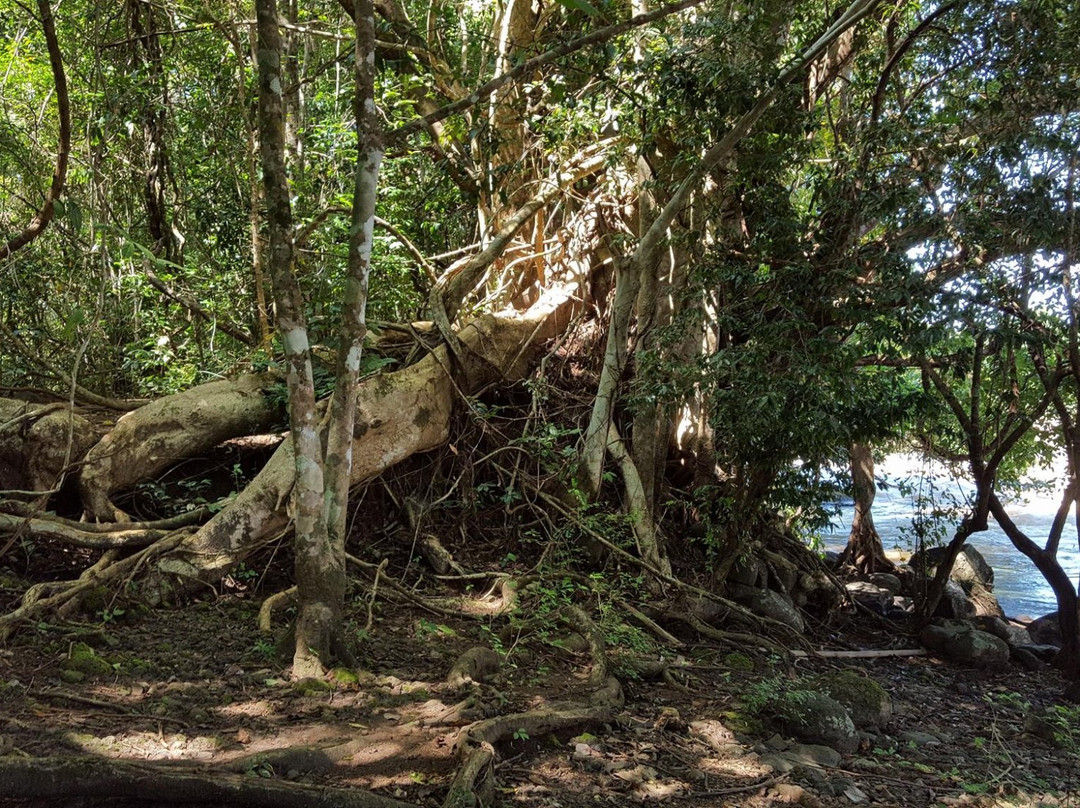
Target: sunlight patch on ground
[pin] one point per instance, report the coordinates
(147, 746)
(746, 766)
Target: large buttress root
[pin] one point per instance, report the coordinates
(39, 442)
(149, 440)
(398, 415)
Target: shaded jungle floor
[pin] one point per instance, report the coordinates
(199, 685)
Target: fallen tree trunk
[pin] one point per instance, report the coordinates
(154, 437)
(398, 415)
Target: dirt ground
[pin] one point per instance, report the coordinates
(198, 687)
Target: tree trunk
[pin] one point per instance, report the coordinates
(864, 550)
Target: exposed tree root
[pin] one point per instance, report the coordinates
(733, 638)
(106, 570)
(149, 440)
(52, 530)
(658, 631)
(474, 784)
(279, 600)
(426, 394)
(111, 780)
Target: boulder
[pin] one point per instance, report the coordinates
(901, 606)
(779, 607)
(886, 580)
(749, 571)
(872, 596)
(965, 645)
(1013, 634)
(814, 718)
(1045, 630)
(954, 604)
(865, 700)
(970, 566)
(983, 601)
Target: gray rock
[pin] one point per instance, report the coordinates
(902, 604)
(812, 754)
(777, 762)
(748, 571)
(970, 566)
(983, 600)
(1013, 634)
(865, 700)
(870, 595)
(1025, 659)
(961, 643)
(955, 604)
(886, 580)
(779, 607)
(815, 718)
(1044, 652)
(1045, 630)
(919, 738)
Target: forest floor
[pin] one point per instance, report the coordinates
(199, 687)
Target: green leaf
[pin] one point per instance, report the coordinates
(581, 5)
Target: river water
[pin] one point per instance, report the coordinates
(904, 503)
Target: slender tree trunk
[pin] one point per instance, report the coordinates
(318, 615)
(864, 550)
(147, 58)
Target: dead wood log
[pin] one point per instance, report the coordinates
(152, 438)
(111, 780)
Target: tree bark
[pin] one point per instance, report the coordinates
(864, 550)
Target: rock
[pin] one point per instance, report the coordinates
(901, 606)
(777, 762)
(865, 700)
(961, 643)
(1045, 630)
(478, 664)
(1044, 652)
(712, 732)
(812, 754)
(787, 792)
(1025, 659)
(917, 738)
(983, 600)
(748, 570)
(970, 566)
(779, 607)
(955, 604)
(870, 595)
(856, 795)
(1013, 634)
(886, 580)
(817, 719)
